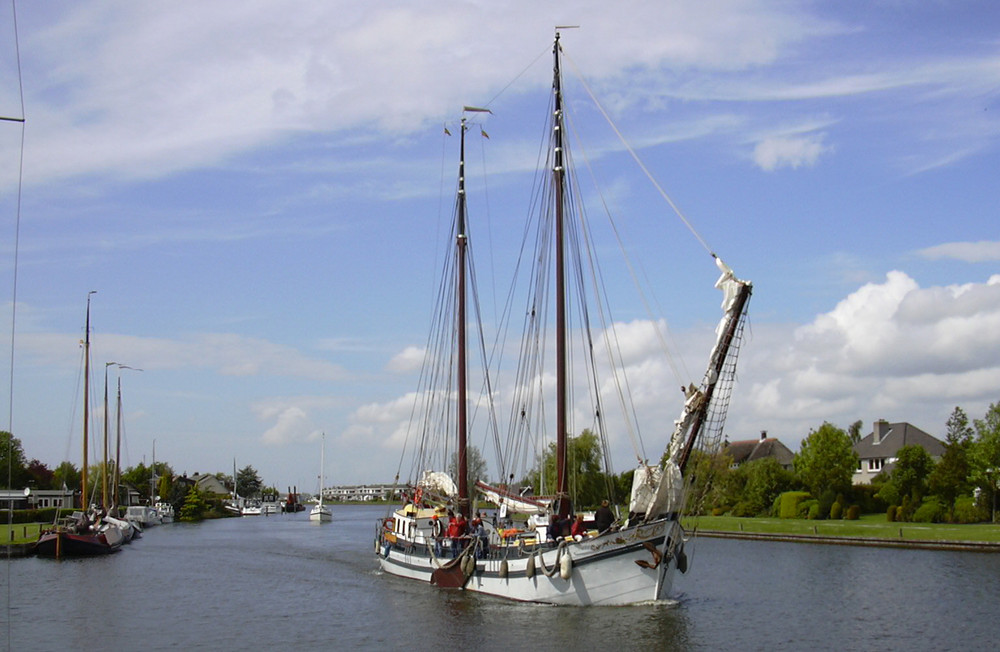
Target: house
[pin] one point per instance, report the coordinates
(209, 484)
(877, 451)
(749, 450)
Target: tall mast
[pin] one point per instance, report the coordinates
(118, 446)
(559, 182)
(104, 466)
(86, 400)
(461, 240)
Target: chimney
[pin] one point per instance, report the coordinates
(880, 430)
(763, 435)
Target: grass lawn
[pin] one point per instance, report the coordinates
(20, 532)
(869, 525)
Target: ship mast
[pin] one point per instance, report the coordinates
(86, 401)
(559, 183)
(461, 240)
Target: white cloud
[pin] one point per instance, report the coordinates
(787, 151)
(409, 359)
(984, 251)
(889, 349)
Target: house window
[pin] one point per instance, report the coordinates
(875, 464)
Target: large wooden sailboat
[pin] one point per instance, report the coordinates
(632, 561)
(86, 532)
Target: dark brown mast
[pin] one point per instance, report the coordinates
(460, 245)
(559, 181)
(86, 401)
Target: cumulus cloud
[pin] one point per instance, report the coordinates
(890, 349)
(409, 359)
(789, 151)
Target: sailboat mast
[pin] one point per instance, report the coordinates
(104, 466)
(86, 401)
(559, 181)
(118, 446)
(461, 240)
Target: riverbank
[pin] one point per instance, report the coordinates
(871, 530)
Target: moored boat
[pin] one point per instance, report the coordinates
(541, 559)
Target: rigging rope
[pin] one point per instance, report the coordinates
(638, 161)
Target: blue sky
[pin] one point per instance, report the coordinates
(260, 196)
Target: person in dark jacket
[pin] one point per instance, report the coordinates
(604, 518)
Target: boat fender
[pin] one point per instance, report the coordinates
(504, 570)
(566, 566)
(385, 551)
(468, 565)
(529, 569)
(682, 560)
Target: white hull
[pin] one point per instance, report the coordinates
(320, 514)
(604, 569)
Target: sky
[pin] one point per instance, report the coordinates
(260, 198)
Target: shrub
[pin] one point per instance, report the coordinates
(826, 501)
(814, 512)
(790, 503)
(890, 514)
(805, 506)
(930, 511)
(853, 512)
(836, 511)
(719, 511)
(966, 511)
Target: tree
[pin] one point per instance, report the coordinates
(248, 482)
(474, 464)
(194, 507)
(985, 457)
(66, 475)
(13, 471)
(908, 478)
(854, 431)
(588, 484)
(950, 477)
(766, 479)
(826, 460)
(39, 475)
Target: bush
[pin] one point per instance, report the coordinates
(853, 512)
(814, 513)
(719, 511)
(790, 503)
(805, 506)
(890, 514)
(826, 501)
(966, 511)
(930, 511)
(836, 511)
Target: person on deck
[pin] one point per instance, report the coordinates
(437, 531)
(604, 518)
(578, 529)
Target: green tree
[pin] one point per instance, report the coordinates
(907, 482)
(248, 482)
(194, 507)
(66, 475)
(826, 460)
(710, 477)
(950, 477)
(475, 464)
(13, 467)
(985, 457)
(766, 479)
(854, 431)
(588, 484)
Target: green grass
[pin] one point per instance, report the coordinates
(869, 525)
(20, 532)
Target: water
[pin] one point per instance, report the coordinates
(284, 583)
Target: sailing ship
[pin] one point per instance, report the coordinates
(86, 532)
(535, 560)
(320, 513)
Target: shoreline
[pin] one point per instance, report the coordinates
(872, 542)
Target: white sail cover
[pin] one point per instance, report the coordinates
(657, 491)
(438, 482)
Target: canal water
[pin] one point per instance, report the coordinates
(284, 583)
